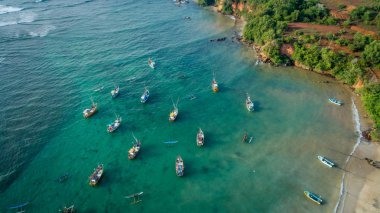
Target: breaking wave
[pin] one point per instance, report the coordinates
(22, 17)
(42, 31)
(8, 9)
(356, 118)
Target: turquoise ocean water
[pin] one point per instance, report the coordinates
(55, 54)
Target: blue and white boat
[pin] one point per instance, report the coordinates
(113, 126)
(249, 104)
(151, 63)
(145, 96)
(179, 166)
(313, 197)
(115, 92)
(335, 101)
(326, 161)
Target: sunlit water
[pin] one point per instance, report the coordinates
(55, 54)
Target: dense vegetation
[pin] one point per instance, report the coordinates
(371, 100)
(368, 15)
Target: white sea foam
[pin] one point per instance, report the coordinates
(356, 118)
(22, 17)
(42, 31)
(8, 9)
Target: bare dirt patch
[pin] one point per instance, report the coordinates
(315, 27)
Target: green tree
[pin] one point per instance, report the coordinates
(371, 54)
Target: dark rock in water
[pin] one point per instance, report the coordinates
(63, 178)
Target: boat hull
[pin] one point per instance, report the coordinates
(179, 167)
(313, 197)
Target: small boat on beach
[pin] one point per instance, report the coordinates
(113, 126)
(69, 209)
(174, 113)
(89, 112)
(144, 96)
(214, 85)
(115, 92)
(151, 63)
(335, 101)
(313, 197)
(326, 161)
(132, 153)
(249, 104)
(179, 166)
(96, 175)
(200, 138)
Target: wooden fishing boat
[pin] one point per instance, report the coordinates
(132, 153)
(174, 113)
(96, 175)
(113, 126)
(313, 197)
(335, 101)
(179, 166)
(249, 104)
(136, 197)
(69, 209)
(326, 161)
(115, 92)
(214, 85)
(89, 112)
(145, 96)
(151, 63)
(200, 138)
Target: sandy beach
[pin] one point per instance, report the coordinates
(361, 181)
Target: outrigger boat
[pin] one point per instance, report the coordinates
(113, 126)
(173, 114)
(89, 112)
(249, 104)
(115, 92)
(132, 153)
(96, 175)
(19, 208)
(214, 85)
(179, 166)
(145, 96)
(136, 197)
(326, 161)
(200, 138)
(313, 197)
(69, 209)
(335, 101)
(151, 63)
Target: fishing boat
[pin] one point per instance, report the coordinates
(113, 126)
(214, 85)
(326, 161)
(89, 112)
(151, 63)
(179, 166)
(96, 175)
(69, 209)
(174, 113)
(313, 197)
(145, 96)
(115, 92)
(335, 101)
(200, 138)
(249, 104)
(132, 153)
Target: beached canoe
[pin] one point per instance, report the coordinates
(326, 161)
(313, 197)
